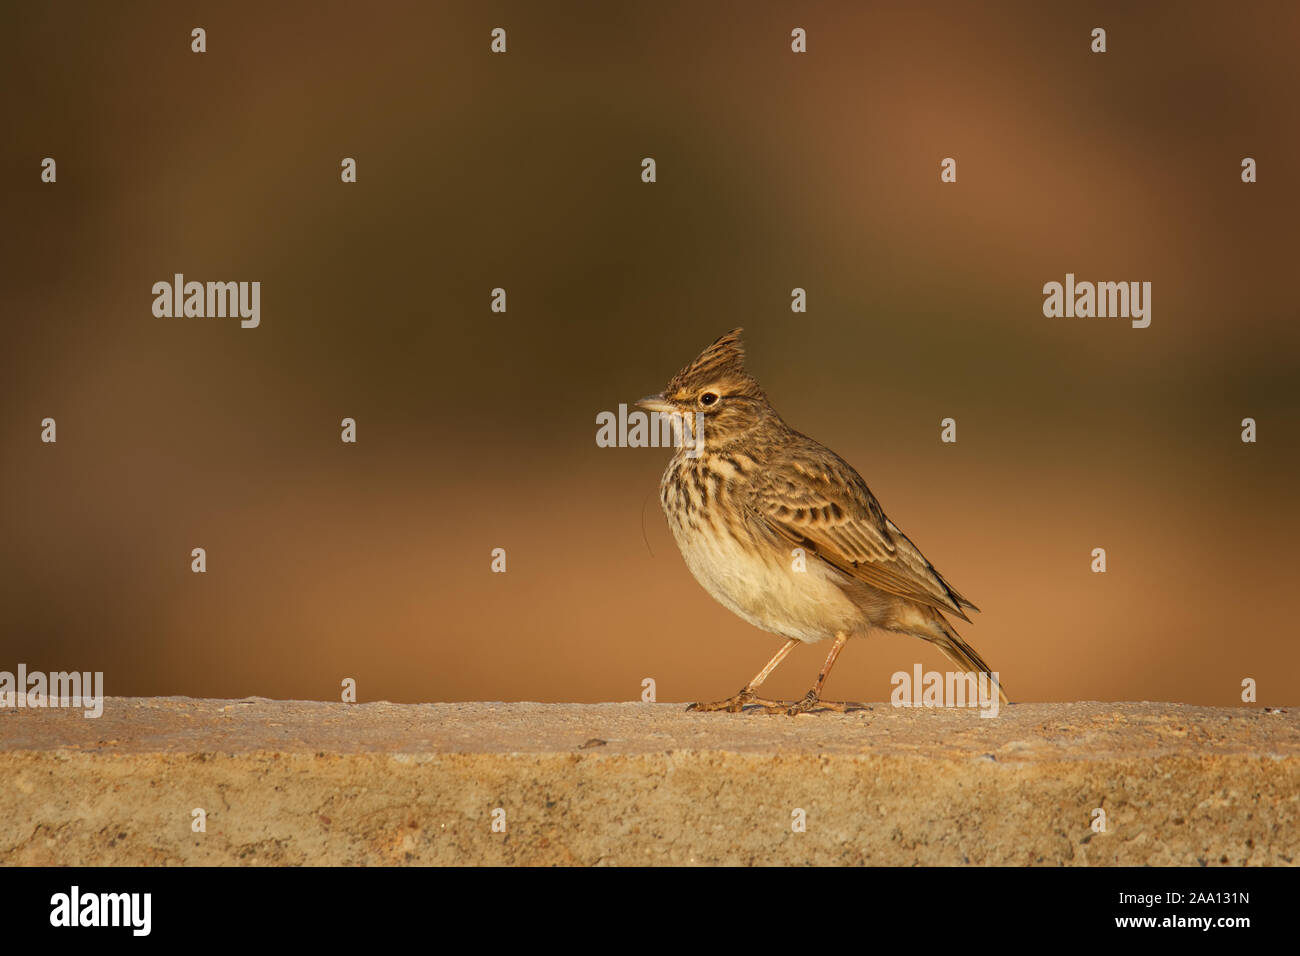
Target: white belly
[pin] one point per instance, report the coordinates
(761, 585)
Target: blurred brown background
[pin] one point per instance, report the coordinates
(477, 430)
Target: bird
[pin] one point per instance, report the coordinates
(749, 501)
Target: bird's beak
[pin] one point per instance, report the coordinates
(656, 403)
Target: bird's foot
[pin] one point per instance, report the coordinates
(810, 702)
(734, 705)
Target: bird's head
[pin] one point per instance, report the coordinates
(717, 387)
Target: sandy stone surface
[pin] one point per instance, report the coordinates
(306, 782)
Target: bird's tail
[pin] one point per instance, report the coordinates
(962, 654)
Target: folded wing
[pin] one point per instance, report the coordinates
(823, 506)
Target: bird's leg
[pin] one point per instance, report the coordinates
(746, 694)
(813, 699)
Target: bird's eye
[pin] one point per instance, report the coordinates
(708, 398)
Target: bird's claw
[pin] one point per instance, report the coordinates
(810, 702)
(736, 704)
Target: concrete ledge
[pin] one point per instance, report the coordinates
(303, 782)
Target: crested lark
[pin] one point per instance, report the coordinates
(757, 490)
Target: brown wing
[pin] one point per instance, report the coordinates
(819, 503)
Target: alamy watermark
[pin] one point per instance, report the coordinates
(1124, 300)
(178, 298)
(130, 910)
(36, 689)
(949, 689)
(638, 429)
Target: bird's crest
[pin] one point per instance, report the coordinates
(724, 360)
